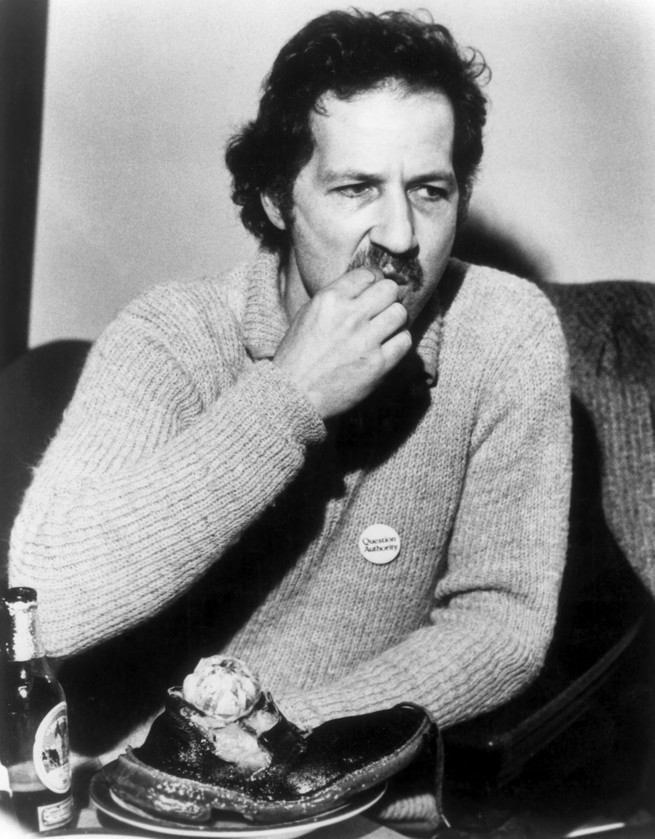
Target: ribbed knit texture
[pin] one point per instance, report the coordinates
(186, 459)
(610, 328)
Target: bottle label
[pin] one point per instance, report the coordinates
(56, 815)
(51, 752)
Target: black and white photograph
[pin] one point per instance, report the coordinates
(327, 419)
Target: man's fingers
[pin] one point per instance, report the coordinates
(389, 320)
(345, 339)
(355, 282)
(379, 296)
(363, 294)
(396, 348)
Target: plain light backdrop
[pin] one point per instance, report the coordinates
(141, 97)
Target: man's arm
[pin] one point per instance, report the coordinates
(154, 472)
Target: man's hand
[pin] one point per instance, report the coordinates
(344, 340)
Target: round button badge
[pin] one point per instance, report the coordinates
(379, 543)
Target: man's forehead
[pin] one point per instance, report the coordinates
(332, 107)
(326, 101)
(384, 120)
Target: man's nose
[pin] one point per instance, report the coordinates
(394, 228)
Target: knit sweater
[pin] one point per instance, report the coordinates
(188, 466)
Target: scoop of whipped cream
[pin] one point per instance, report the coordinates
(224, 688)
(225, 701)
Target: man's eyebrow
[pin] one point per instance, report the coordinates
(441, 175)
(330, 176)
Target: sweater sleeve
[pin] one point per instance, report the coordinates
(495, 606)
(149, 480)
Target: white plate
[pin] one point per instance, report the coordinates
(227, 828)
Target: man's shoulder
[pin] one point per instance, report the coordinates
(202, 310)
(499, 301)
(510, 289)
(198, 321)
(497, 321)
(205, 295)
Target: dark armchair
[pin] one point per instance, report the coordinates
(585, 729)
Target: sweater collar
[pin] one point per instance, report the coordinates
(265, 320)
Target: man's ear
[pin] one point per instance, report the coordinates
(272, 211)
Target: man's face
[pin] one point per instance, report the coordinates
(379, 190)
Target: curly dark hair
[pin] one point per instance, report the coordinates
(346, 53)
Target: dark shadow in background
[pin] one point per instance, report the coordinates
(23, 30)
(479, 241)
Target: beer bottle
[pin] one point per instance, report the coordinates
(34, 743)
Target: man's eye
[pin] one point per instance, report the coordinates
(353, 190)
(432, 193)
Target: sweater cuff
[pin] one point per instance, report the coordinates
(298, 710)
(287, 409)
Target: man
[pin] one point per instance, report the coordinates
(347, 463)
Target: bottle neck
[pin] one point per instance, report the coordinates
(23, 638)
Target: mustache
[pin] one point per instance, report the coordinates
(406, 270)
